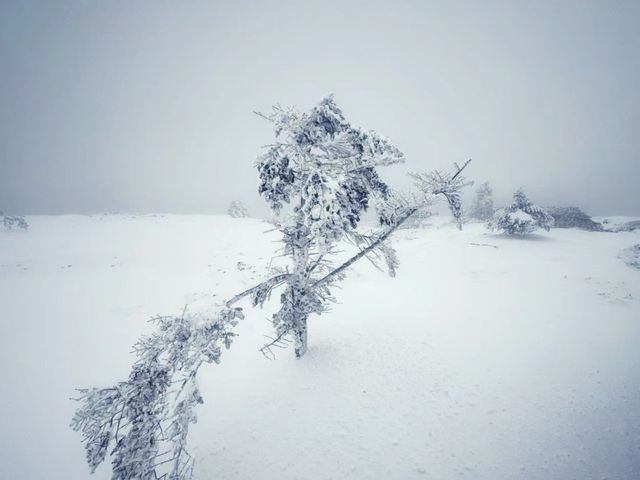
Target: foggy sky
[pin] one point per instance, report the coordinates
(147, 106)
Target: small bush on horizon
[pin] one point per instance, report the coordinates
(237, 210)
(13, 222)
(482, 207)
(521, 217)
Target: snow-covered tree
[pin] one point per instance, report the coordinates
(407, 199)
(13, 222)
(323, 171)
(482, 206)
(521, 217)
(320, 175)
(237, 210)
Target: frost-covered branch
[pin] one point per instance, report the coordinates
(376, 244)
(143, 422)
(279, 341)
(448, 185)
(260, 292)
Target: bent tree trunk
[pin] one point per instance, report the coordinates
(299, 328)
(298, 293)
(300, 336)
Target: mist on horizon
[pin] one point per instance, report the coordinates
(148, 106)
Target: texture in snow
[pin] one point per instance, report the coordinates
(487, 357)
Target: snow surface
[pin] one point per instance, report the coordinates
(488, 357)
(614, 223)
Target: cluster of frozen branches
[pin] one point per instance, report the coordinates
(13, 222)
(449, 185)
(142, 422)
(320, 176)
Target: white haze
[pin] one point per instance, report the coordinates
(147, 106)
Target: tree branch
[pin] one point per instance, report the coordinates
(272, 282)
(460, 169)
(364, 251)
(275, 342)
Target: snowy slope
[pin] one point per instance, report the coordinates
(487, 357)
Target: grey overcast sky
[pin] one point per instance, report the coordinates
(137, 106)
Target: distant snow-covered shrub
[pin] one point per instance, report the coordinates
(237, 210)
(482, 207)
(521, 217)
(573, 217)
(13, 222)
